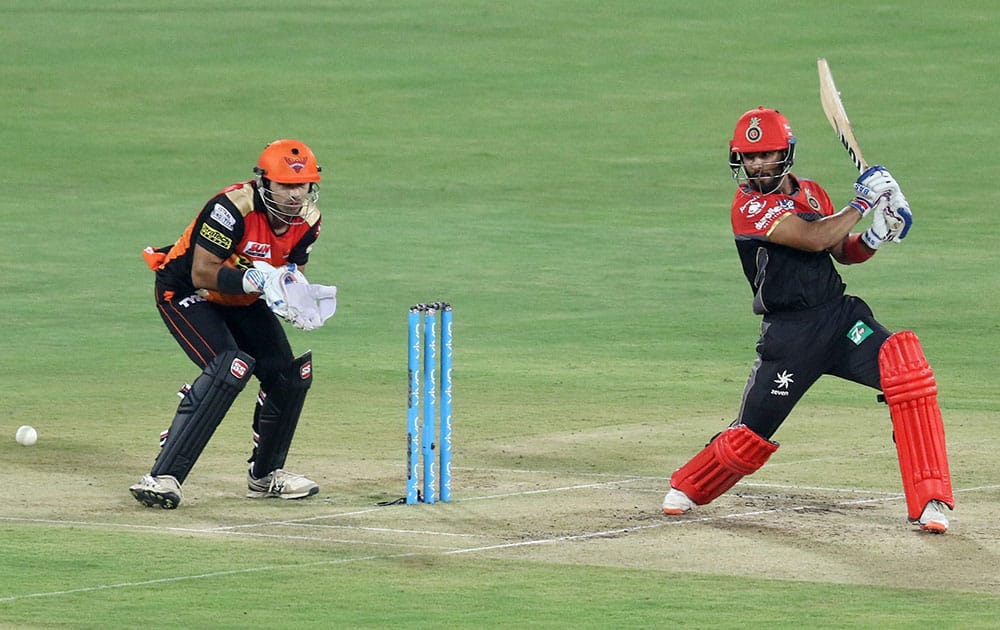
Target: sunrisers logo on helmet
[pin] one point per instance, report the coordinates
(296, 163)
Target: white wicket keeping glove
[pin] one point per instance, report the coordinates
(276, 281)
(310, 305)
(871, 185)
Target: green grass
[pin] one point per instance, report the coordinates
(315, 587)
(554, 169)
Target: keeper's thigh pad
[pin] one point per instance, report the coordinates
(200, 412)
(910, 390)
(277, 415)
(733, 454)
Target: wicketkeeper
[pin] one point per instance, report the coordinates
(220, 289)
(788, 236)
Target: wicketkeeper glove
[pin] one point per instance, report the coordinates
(290, 296)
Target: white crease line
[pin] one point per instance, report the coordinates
(201, 576)
(527, 471)
(387, 530)
(558, 539)
(216, 531)
(297, 520)
(665, 523)
(342, 541)
(548, 490)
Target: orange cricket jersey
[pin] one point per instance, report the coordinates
(233, 225)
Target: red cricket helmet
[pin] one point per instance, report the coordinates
(758, 131)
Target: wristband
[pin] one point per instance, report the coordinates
(229, 280)
(855, 251)
(861, 205)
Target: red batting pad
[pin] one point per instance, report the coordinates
(911, 392)
(733, 454)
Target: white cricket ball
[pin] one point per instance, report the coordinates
(26, 435)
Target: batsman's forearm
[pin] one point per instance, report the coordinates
(831, 231)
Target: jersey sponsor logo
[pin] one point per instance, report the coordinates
(238, 368)
(223, 217)
(769, 216)
(783, 381)
(859, 332)
(258, 250)
(753, 207)
(306, 371)
(212, 235)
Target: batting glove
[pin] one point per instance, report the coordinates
(888, 225)
(871, 185)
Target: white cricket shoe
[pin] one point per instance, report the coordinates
(933, 519)
(676, 502)
(281, 484)
(161, 491)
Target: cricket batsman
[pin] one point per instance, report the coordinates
(788, 237)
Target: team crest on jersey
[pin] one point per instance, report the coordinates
(812, 201)
(296, 163)
(754, 133)
(258, 250)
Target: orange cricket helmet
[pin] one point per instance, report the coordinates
(288, 162)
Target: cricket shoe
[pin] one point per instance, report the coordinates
(281, 484)
(676, 502)
(161, 491)
(933, 519)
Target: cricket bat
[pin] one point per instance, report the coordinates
(835, 113)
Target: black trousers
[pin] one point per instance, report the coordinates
(842, 338)
(203, 329)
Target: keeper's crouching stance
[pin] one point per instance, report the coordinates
(910, 390)
(201, 411)
(220, 289)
